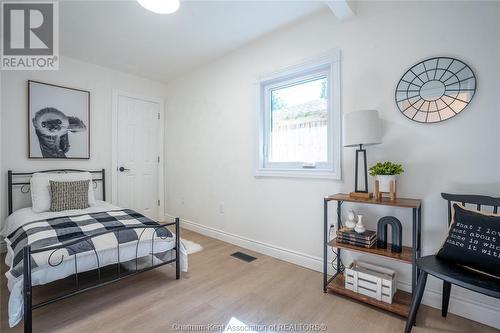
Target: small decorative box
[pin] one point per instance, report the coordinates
(371, 280)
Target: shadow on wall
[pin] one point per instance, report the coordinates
(491, 189)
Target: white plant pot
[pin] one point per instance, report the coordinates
(384, 182)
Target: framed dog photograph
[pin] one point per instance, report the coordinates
(58, 121)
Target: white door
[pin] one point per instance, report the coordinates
(138, 155)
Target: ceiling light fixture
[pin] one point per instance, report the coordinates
(160, 6)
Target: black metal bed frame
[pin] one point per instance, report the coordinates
(25, 184)
(28, 252)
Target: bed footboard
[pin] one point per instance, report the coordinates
(119, 274)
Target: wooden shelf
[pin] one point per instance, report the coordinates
(399, 202)
(405, 256)
(400, 302)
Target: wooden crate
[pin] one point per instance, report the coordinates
(371, 280)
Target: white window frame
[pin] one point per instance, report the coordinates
(327, 65)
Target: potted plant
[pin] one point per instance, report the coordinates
(385, 173)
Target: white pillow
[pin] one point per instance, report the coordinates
(40, 188)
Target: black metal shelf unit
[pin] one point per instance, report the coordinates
(416, 247)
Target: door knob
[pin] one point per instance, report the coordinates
(123, 169)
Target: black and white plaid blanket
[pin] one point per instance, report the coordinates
(60, 230)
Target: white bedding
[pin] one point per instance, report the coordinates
(25, 215)
(46, 274)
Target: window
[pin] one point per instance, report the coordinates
(300, 121)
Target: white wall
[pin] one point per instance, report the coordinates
(100, 81)
(212, 132)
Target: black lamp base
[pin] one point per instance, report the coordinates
(361, 193)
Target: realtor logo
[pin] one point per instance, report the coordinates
(30, 39)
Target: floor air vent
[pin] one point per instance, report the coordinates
(243, 256)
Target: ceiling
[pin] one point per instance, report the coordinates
(127, 37)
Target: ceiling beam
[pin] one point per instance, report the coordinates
(343, 9)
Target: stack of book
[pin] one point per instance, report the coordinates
(349, 236)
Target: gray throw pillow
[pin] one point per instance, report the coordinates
(69, 195)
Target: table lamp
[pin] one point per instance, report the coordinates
(361, 128)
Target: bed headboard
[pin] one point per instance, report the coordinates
(21, 181)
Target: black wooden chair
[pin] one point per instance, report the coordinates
(452, 273)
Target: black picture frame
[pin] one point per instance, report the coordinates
(56, 131)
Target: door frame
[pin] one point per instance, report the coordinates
(114, 147)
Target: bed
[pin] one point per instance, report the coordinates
(47, 246)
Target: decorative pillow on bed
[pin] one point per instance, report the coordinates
(473, 241)
(69, 195)
(40, 188)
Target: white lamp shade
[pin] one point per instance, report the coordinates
(362, 127)
(160, 6)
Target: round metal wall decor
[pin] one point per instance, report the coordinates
(435, 89)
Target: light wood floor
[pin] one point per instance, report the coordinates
(218, 287)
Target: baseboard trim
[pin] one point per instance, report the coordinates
(294, 257)
(459, 305)
(467, 308)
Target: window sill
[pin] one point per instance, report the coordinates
(308, 174)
